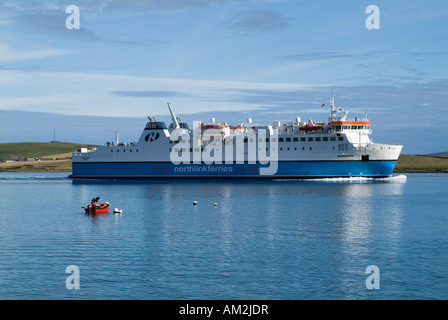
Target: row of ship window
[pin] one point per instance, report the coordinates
(352, 127)
(302, 139)
(341, 147)
(124, 150)
(294, 139)
(288, 139)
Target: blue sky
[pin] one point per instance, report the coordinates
(268, 59)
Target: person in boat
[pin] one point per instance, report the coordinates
(94, 202)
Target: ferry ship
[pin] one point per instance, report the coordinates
(294, 150)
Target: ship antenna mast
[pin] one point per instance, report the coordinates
(333, 107)
(175, 122)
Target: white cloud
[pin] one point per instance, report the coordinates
(197, 84)
(26, 6)
(84, 93)
(8, 54)
(96, 94)
(19, 103)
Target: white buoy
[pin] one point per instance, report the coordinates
(195, 203)
(118, 211)
(215, 204)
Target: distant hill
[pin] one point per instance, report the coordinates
(37, 149)
(439, 154)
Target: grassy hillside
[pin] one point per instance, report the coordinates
(411, 163)
(38, 149)
(52, 150)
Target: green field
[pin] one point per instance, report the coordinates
(38, 149)
(421, 164)
(44, 150)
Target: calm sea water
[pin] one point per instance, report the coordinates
(264, 240)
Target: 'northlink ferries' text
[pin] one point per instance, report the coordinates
(236, 149)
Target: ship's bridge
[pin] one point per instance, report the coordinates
(349, 126)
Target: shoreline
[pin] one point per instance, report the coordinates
(37, 166)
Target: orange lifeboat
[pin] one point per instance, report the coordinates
(311, 127)
(103, 208)
(212, 126)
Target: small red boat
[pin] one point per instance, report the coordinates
(102, 208)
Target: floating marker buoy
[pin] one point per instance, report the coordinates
(195, 203)
(215, 204)
(116, 210)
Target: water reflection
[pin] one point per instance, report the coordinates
(362, 206)
(356, 211)
(259, 227)
(100, 221)
(369, 213)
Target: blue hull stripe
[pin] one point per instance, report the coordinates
(285, 169)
